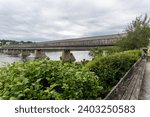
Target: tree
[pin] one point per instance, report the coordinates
(138, 34)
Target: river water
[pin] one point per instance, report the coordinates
(79, 55)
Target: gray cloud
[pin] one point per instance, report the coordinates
(44, 20)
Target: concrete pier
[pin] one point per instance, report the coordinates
(24, 54)
(39, 54)
(67, 56)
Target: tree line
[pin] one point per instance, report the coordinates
(10, 42)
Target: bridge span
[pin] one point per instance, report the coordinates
(85, 43)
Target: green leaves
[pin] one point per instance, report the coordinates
(103, 51)
(57, 80)
(111, 68)
(138, 34)
(43, 79)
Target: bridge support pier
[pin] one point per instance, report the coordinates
(39, 54)
(15, 53)
(67, 56)
(5, 51)
(9, 52)
(24, 54)
(1, 51)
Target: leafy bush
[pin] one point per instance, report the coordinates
(111, 68)
(100, 51)
(54, 80)
(42, 79)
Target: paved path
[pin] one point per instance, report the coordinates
(145, 89)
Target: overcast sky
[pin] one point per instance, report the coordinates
(46, 20)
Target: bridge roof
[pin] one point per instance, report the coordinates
(71, 44)
(88, 38)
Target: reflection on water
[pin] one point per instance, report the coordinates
(7, 58)
(79, 55)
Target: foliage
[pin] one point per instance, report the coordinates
(55, 80)
(100, 51)
(138, 34)
(43, 79)
(112, 67)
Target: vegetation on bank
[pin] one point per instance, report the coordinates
(104, 51)
(111, 68)
(13, 42)
(44, 79)
(51, 80)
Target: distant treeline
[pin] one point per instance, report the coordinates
(10, 42)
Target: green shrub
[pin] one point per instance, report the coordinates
(100, 51)
(111, 68)
(52, 80)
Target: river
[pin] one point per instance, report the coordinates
(79, 55)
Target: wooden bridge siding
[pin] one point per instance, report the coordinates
(82, 43)
(85, 43)
(92, 43)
